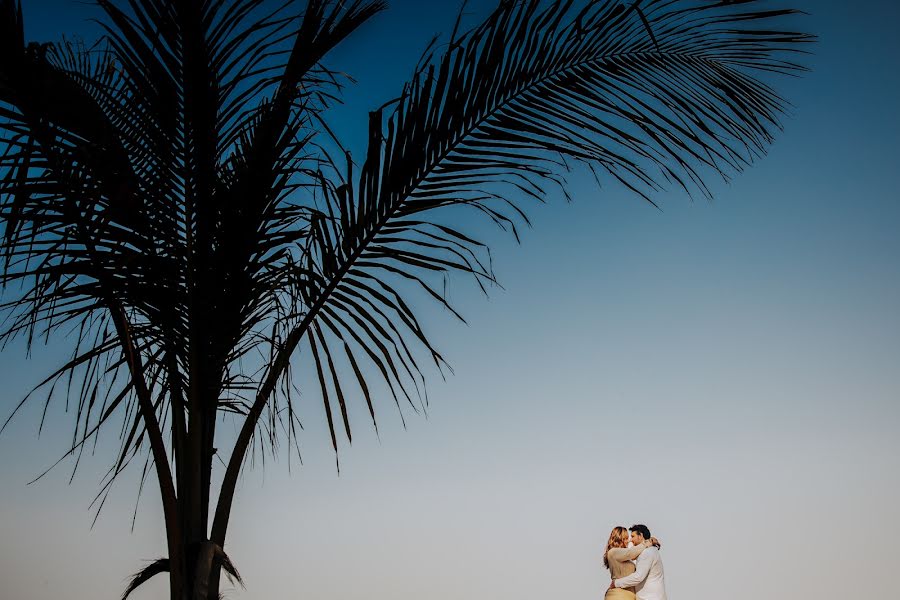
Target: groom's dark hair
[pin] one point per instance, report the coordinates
(642, 529)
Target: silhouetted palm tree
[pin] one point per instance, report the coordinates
(175, 204)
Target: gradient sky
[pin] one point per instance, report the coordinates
(725, 372)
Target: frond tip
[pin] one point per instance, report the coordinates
(160, 565)
(225, 562)
(213, 551)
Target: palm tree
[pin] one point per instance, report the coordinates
(176, 206)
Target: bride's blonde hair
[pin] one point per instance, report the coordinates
(618, 538)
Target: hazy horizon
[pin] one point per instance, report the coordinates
(724, 372)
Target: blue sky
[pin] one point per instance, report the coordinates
(725, 372)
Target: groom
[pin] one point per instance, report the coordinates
(648, 580)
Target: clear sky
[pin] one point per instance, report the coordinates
(725, 372)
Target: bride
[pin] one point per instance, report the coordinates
(618, 559)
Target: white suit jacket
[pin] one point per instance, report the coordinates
(649, 580)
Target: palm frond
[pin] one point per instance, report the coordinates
(160, 565)
(155, 194)
(654, 94)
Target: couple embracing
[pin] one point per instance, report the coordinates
(636, 571)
